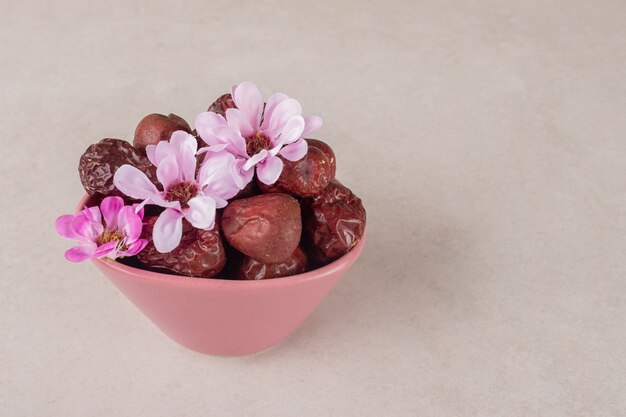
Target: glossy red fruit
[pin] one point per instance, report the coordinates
(157, 127)
(265, 227)
(251, 269)
(334, 222)
(328, 151)
(306, 177)
(200, 253)
(100, 161)
(223, 103)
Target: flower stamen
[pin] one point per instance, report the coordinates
(257, 142)
(109, 236)
(182, 192)
(113, 236)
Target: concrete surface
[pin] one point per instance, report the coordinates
(487, 139)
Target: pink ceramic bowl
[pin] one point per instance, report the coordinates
(223, 317)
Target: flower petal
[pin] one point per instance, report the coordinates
(238, 120)
(129, 223)
(110, 208)
(311, 124)
(168, 230)
(205, 123)
(256, 158)
(231, 136)
(80, 253)
(220, 202)
(134, 183)
(135, 247)
(151, 154)
(163, 150)
(249, 100)
(284, 111)
(201, 212)
(64, 226)
(138, 209)
(272, 102)
(241, 176)
(212, 148)
(168, 172)
(185, 146)
(106, 249)
(215, 176)
(292, 131)
(295, 151)
(92, 213)
(269, 171)
(86, 230)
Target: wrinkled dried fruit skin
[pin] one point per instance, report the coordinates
(99, 162)
(157, 127)
(223, 103)
(265, 227)
(306, 177)
(334, 222)
(200, 253)
(251, 269)
(328, 151)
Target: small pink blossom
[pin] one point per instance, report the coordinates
(256, 133)
(185, 194)
(118, 236)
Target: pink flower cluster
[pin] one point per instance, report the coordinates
(256, 133)
(186, 193)
(248, 140)
(117, 236)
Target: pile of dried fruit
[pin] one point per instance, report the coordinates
(245, 195)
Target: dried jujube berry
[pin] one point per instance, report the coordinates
(265, 227)
(306, 177)
(334, 222)
(200, 252)
(251, 269)
(328, 151)
(157, 127)
(99, 162)
(223, 103)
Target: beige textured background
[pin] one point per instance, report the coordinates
(487, 139)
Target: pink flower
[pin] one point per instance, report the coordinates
(117, 237)
(185, 194)
(256, 133)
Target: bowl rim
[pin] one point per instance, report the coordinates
(339, 264)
